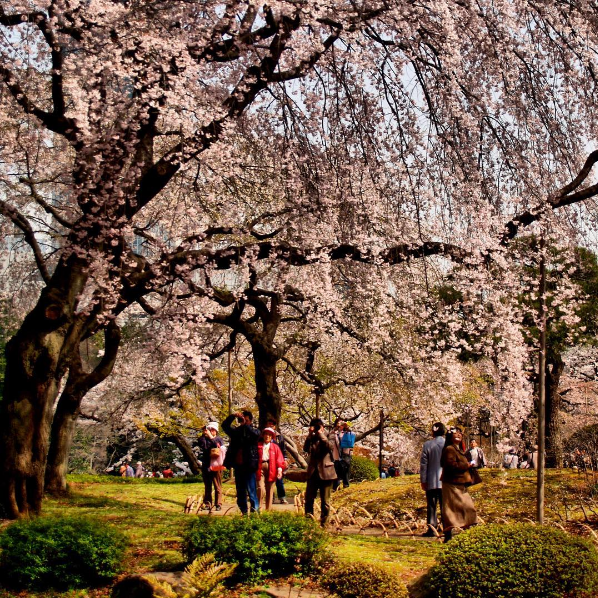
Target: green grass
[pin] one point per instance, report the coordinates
(409, 557)
(150, 513)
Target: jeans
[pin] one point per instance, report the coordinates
(245, 482)
(434, 500)
(280, 491)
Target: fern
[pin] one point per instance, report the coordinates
(162, 589)
(204, 576)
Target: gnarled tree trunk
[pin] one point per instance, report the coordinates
(36, 360)
(267, 393)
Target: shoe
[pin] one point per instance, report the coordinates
(284, 501)
(429, 534)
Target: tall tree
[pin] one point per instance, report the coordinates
(401, 135)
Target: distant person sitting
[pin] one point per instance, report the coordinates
(511, 460)
(129, 472)
(168, 473)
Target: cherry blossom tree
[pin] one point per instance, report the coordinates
(137, 137)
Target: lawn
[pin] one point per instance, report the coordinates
(150, 513)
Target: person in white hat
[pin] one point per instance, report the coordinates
(212, 455)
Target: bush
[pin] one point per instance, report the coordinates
(362, 580)
(363, 470)
(267, 545)
(520, 560)
(66, 552)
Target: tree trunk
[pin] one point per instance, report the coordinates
(35, 364)
(183, 445)
(267, 394)
(554, 438)
(68, 408)
(294, 452)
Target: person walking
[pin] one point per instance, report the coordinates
(211, 446)
(346, 442)
(430, 471)
(476, 455)
(458, 509)
(270, 467)
(320, 469)
(242, 456)
(336, 453)
(281, 493)
(139, 470)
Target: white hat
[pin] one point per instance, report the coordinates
(269, 431)
(213, 425)
(138, 462)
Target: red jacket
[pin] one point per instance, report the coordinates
(275, 461)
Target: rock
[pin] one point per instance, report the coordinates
(138, 586)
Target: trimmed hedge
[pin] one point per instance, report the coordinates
(362, 580)
(363, 470)
(267, 545)
(62, 553)
(519, 561)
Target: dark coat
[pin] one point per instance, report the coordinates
(242, 451)
(319, 449)
(455, 466)
(205, 445)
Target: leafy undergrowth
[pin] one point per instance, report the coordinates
(151, 515)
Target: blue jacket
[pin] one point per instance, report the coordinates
(429, 466)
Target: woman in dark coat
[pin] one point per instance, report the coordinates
(457, 506)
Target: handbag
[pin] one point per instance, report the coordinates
(215, 452)
(476, 478)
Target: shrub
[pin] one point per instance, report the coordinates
(362, 580)
(363, 470)
(66, 552)
(520, 560)
(268, 545)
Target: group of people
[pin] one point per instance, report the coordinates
(447, 470)
(126, 471)
(258, 459)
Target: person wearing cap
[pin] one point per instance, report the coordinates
(211, 446)
(430, 471)
(139, 470)
(270, 466)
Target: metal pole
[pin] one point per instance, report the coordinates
(541, 389)
(381, 444)
(230, 385)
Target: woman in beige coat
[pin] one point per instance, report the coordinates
(457, 506)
